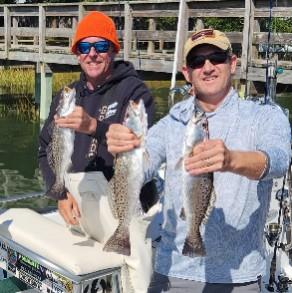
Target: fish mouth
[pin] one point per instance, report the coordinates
(68, 96)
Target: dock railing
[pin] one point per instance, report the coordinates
(42, 33)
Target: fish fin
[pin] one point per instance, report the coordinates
(183, 214)
(194, 248)
(119, 242)
(210, 206)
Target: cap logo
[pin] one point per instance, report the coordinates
(203, 34)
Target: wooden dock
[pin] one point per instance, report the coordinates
(42, 33)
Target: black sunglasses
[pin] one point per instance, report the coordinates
(216, 58)
(100, 47)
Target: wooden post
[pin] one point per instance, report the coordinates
(15, 25)
(7, 30)
(81, 11)
(255, 52)
(42, 31)
(43, 89)
(161, 45)
(134, 43)
(74, 25)
(128, 31)
(199, 25)
(151, 44)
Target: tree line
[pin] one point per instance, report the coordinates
(283, 25)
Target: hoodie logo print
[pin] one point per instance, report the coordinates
(105, 112)
(108, 111)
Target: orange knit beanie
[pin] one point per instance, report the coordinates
(96, 24)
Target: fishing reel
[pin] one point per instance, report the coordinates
(273, 230)
(178, 94)
(272, 233)
(282, 285)
(283, 282)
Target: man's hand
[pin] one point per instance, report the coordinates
(121, 139)
(78, 120)
(213, 155)
(69, 210)
(208, 156)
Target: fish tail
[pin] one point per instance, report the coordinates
(119, 242)
(194, 247)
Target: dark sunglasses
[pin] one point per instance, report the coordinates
(100, 47)
(216, 58)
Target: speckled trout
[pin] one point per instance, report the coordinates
(60, 149)
(127, 181)
(198, 195)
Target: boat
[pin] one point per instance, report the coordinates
(26, 267)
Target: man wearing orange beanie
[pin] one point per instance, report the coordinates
(102, 93)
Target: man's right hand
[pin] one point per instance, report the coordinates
(121, 139)
(69, 210)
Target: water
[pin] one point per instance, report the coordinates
(18, 147)
(19, 173)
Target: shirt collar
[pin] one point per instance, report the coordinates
(184, 110)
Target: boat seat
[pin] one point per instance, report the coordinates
(73, 252)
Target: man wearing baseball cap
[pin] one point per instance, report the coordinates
(245, 146)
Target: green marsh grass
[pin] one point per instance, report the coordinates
(17, 92)
(17, 87)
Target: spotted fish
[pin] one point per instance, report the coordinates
(60, 149)
(127, 181)
(198, 195)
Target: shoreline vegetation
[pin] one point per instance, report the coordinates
(17, 87)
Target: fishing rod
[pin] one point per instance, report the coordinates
(178, 41)
(275, 229)
(271, 65)
(270, 72)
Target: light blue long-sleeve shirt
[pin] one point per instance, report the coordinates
(233, 234)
